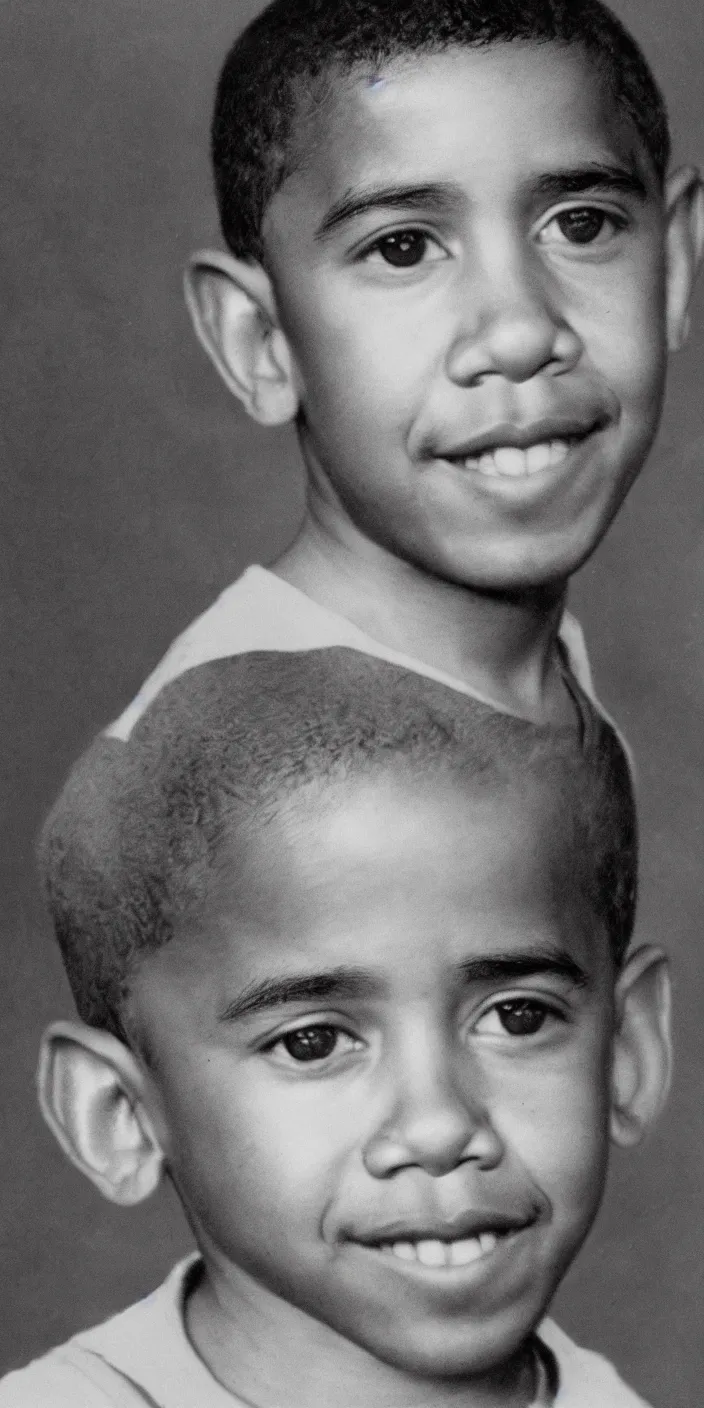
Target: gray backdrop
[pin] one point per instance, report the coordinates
(134, 489)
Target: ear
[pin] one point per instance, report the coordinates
(233, 309)
(91, 1094)
(642, 1051)
(684, 202)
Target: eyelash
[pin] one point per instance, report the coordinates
(308, 1029)
(411, 231)
(513, 1006)
(617, 221)
(520, 1003)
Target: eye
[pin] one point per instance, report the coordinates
(314, 1043)
(405, 249)
(583, 225)
(516, 1016)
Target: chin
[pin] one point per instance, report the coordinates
(514, 578)
(457, 1350)
(533, 567)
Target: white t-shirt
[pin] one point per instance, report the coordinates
(143, 1359)
(262, 612)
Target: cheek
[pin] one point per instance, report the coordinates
(625, 337)
(558, 1127)
(249, 1153)
(347, 345)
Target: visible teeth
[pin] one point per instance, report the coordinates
(461, 1253)
(486, 464)
(404, 1250)
(558, 451)
(537, 458)
(431, 1253)
(509, 462)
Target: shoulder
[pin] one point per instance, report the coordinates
(227, 627)
(125, 1362)
(66, 1378)
(258, 612)
(585, 1378)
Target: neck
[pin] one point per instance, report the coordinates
(501, 645)
(267, 1352)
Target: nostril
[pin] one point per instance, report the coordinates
(436, 1141)
(516, 345)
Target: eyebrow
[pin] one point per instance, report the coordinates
(339, 983)
(503, 967)
(356, 984)
(445, 198)
(436, 197)
(591, 176)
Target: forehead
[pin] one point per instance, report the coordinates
(499, 113)
(401, 876)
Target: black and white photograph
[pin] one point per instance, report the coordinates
(352, 555)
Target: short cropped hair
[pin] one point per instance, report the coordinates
(274, 68)
(129, 848)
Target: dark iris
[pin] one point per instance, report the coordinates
(520, 1016)
(310, 1043)
(404, 249)
(581, 226)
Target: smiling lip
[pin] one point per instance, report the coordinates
(521, 437)
(455, 1250)
(468, 1225)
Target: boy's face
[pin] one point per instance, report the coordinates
(382, 1067)
(468, 265)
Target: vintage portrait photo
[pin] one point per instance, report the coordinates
(353, 779)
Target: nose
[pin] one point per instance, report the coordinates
(435, 1118)
(508, 321)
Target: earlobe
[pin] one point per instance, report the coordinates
(90, 1090)
(684, 247)
(232, 306)
(642, 1051)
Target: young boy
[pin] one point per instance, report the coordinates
(457, 262)
(352, 960)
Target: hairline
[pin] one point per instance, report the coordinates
(331, 792)
(294, 153)
(337, 790)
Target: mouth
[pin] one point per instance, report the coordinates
(447, 1249)
(511, 452)
(433, 1252)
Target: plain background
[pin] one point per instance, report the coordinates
(133, 489)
